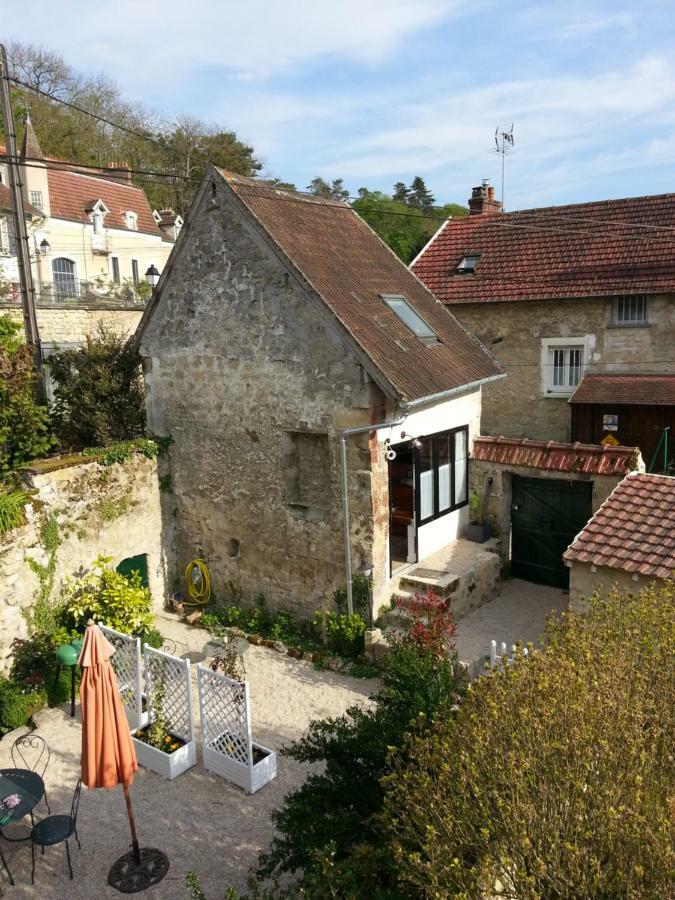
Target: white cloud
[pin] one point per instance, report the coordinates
(144, 42)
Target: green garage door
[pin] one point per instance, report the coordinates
(546, 515)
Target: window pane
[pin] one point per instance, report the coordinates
(426, 480)
(134, 271)
(443, 462)
(576, 357)
(558, 368)
(461, 467)
(115, 270)
(409, 317)
(63, 271)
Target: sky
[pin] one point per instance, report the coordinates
(379, 91)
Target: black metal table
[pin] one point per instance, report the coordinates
(30, 788)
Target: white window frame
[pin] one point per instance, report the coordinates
(36, 199)
(585, 343)
(112, 270)
(629, 322)
(131, 220)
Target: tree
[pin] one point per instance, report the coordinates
(401, 192)
(419, 195)
(98, 393)
(556, 777)
(333, 191)
(24, 423)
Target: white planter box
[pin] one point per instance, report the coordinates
(168, 765)
(250, 778)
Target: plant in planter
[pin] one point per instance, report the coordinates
(477, 530)
(158, 745)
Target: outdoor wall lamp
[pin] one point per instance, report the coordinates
(152, 276)
(416, 442)
(45, 247)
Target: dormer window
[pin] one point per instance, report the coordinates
(97, 222)
(468, 264)
(97, 213)
(407, 315)
(131, 220)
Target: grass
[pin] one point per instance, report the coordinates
(12, 510)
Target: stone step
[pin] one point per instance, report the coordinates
(443, 584)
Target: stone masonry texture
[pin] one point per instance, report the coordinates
(516, 406)
(254, 383)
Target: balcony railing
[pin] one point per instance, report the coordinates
(79, 293)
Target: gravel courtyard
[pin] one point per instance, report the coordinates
(199, 820)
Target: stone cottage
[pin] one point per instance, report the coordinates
(314, 390)
(562, 294)
(629, 542)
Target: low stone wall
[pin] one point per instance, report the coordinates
(89, 510)
(499, 500)
(66, 325)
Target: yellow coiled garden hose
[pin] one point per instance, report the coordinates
(198, 583)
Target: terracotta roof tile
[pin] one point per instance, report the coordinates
(593, 459)
(633, 530)
(651, 390)
(71, 194)
(349, 267)
(581, 250)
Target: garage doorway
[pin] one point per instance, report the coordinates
(546, 515)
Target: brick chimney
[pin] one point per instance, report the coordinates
(482, 201)
(118, 172)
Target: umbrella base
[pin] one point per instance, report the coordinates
(130, 877)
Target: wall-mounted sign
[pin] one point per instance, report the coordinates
(609, 441)
(610, 423)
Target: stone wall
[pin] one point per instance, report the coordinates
(517, 406)
(500, 496)
(239, 359)
(72, 325)
(585, 579)
(99, 510)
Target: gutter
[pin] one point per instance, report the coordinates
(348, 432)
(434, 398)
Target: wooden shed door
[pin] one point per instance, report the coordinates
(546, 515)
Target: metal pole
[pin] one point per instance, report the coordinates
(363, 429)
(16, 188)
(665, 449)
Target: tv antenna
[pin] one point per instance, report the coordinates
(504, 145)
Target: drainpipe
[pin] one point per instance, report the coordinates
(348, 432)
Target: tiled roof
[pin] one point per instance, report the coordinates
(592, 459)
(647, 390)
(583, 250)
(634, 529)
(6, 204)
(72, 193)
(349, 267)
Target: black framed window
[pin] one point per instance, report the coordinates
(441, 473)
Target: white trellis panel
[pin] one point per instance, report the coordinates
(126, 662)
(177, 709)
(227, 745)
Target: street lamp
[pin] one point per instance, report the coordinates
(152, 276)
(44, 247)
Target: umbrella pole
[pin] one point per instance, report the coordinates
(132, 825)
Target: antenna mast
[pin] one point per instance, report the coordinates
(504, 145)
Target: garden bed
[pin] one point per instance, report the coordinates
(219, 757)
(169, 764)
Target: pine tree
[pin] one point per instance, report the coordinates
(401, 192)
(420, 195)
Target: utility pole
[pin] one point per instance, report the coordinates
(20, 230)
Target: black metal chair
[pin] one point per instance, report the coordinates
(56, 830)
(32, 752)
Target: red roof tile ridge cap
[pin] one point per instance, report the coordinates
(595, 204)
(99, 179)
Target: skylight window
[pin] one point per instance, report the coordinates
(468, 264)
(409, 317)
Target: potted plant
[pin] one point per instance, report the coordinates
(158, 746)
(477, 530)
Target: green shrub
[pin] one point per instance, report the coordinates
(361, 587)
(18, 705)
(110, 598)
(98, 394)
(24, 423)
(343, 634)
(328, 831)
(34, 664)
(556, 778)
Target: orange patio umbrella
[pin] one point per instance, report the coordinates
(108, 755)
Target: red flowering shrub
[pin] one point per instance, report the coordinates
(432, 627)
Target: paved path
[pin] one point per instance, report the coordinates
(518, 614)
